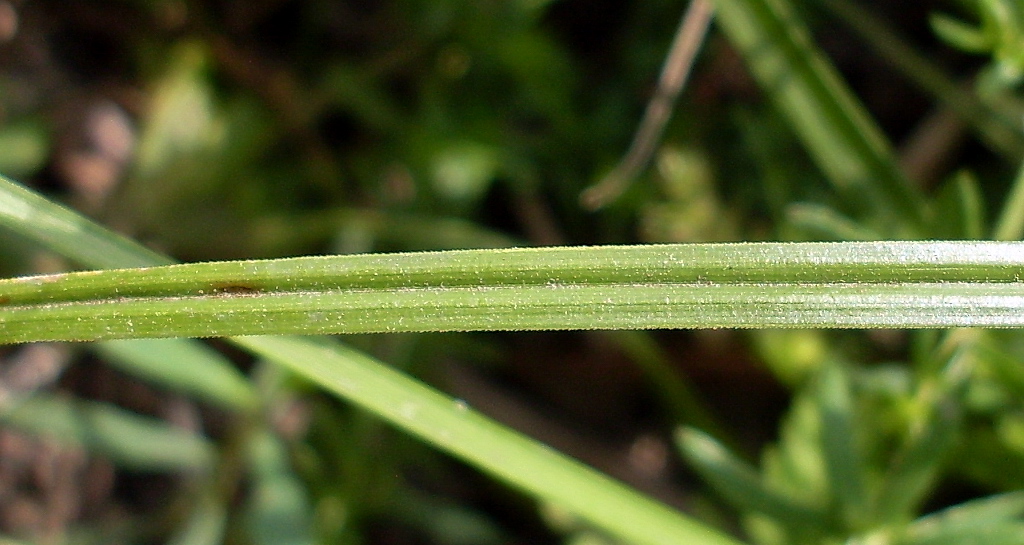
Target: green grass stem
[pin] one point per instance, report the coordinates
(879, 284)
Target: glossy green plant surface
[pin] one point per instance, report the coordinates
(901, 284)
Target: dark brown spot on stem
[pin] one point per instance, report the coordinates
(234, 289)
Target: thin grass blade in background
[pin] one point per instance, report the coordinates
(457, 429)
(63, 231)
(844, 459)
(991, 520)
(834, 127)
(184, 366)
(205, 525)
(126, 438)
(1010, 225)
(917, 464)
(278, 510)
(742, 485)
(997, 129)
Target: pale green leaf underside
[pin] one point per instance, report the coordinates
(881, 284)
